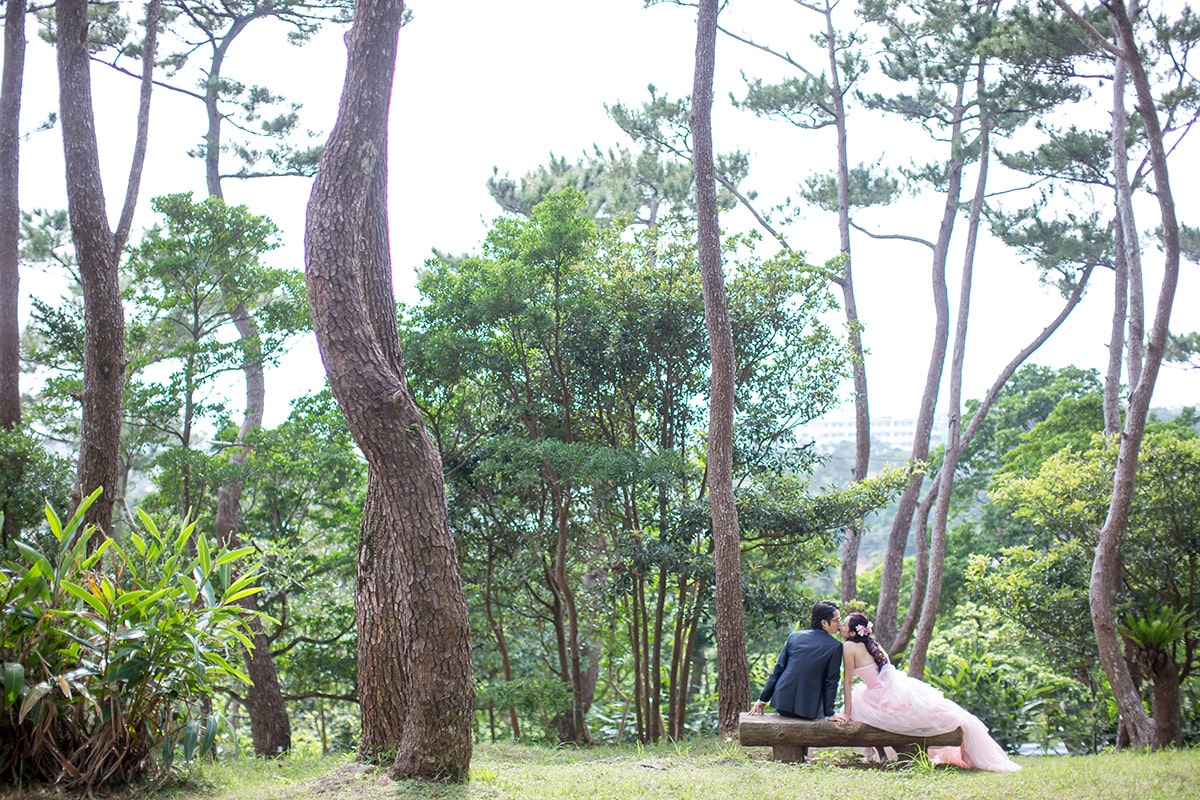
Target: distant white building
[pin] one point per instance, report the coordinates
(898, 432)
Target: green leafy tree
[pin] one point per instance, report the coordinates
(1068, 498)
(536, 378)
(187, 280)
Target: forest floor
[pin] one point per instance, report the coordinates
(696, 770)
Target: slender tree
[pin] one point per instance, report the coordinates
(815, 101)
(97, 250)
(1106, 567)
(416, 686)
(10, 212)
(733, 676)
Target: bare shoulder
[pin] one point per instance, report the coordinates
(856, 653)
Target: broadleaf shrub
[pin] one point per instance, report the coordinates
(109, 651)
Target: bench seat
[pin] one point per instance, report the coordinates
(787, 736)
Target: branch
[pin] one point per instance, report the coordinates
(149, 48)
(1099, 38)
(900, 236)
(782, 56)
(158, 83)
(349, 698)
(728, 184)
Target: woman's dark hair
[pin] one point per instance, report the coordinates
(860, 627)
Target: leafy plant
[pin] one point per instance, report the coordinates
(109, 652)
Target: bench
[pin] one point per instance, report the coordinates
(787, 736)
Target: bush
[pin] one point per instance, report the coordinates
(110, 652)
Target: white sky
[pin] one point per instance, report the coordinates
(483, 84)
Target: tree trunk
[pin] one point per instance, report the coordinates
(1106, 566)
(862, 414)
(10, 215)
(96, 254)
(1130, 256)
(920, 572)
(893, 565)
(1164, 683)
(954, 447)
(416, 687)
(270, 727)
(1116, 341)
(733, 676)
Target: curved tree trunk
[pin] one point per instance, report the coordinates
(954, 449)
(10, 216)
(414, 635)
(733, 671)
(1105, 567)
(893, 565)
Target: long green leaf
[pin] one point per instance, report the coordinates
(203, 553)
(33, 698)
(229, 600)
(191, 733)
(77, 591)
(35, 556)
(233, 555)
(14, 682)
(211, 727)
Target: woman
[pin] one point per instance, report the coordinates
(891, 700)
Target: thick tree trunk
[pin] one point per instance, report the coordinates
(416, 687)
(1164, 683)
(893, 565)
(733, 671)
(96, 254)
(10, 214)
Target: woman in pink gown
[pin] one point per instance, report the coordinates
(889, 699)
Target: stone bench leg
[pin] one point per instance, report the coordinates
(787, 753)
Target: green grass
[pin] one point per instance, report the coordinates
(697, 770)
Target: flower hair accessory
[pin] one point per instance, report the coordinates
(863, 630)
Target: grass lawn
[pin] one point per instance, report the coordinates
(700, 770)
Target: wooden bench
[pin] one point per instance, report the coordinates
(787, 736)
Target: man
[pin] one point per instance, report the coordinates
(805, 679)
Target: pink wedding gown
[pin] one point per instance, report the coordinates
(891, 700)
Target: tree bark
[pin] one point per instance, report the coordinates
(733, 671)
(862, 414)
(270, 727)
(414, 651)
(96, 254)
(1116, 341)
(1106, 565)
(10, 214)
(893, 565)
(953, 450)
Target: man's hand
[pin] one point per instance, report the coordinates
(839, 718)
(758, 707)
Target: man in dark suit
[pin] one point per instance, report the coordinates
(805, 679)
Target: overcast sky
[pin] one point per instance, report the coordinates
(483, 84)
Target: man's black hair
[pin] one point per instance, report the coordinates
(823, 612)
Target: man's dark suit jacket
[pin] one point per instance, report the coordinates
(805, 679)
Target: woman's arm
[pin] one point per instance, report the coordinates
(848, 676)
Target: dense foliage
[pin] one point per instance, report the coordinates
(111, 651)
